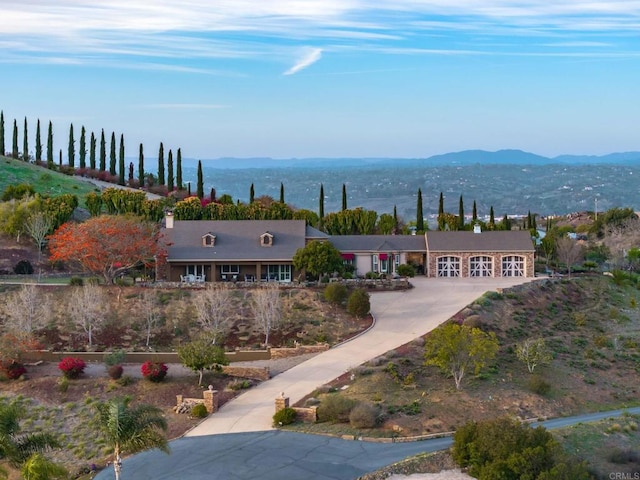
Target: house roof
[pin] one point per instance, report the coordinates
(236, 240)
(313, 233)
(493, 241)
(378, 243)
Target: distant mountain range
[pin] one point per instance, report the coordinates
(466, 157)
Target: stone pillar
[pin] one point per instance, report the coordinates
(282, 402)
(179, 400)
(210, 399)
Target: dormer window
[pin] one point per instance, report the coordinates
(266, 239)
(208, 240)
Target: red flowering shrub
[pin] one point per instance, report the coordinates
(12, 370)
(71, 367)
(154, 371)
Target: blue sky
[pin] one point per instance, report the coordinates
(327, 78)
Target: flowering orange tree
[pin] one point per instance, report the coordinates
(106, 245)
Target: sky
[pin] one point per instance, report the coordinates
(326, 78)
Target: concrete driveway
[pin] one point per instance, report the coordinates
(401, 316)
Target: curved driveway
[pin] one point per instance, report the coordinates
(401, 316)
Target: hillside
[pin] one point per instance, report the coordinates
(45, 182)
(591, 325)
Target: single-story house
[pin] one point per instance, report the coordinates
(263, 250)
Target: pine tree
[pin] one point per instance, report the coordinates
(474, 214)
(441, 219)
(321, 203)
(25, 143)
(38, 143)
(252, 194)
(179, 184)
(200, 186)
(461, 215)
(92, 152)
(83, 148)
(161, 165)
(2, 150)
(121, 161)
(170, 178)
(50, 146)
(141, 166)
(71, 152)
(281, 192)
(103, 152)
(344, 197)
(112, 155)
(419, 213)
(14, 148)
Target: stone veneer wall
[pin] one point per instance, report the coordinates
(298, 350)
(210, 399)
(306, 414)
(464, 261)
(254, 373)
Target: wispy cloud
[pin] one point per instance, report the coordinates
(307, 59)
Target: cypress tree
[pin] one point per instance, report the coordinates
(506, 224)
(492, 220)
(130, 172)
(252, 194)
(200, 186)
(170, 178)
(533, 223)
(281, 193)
(25, 143)
(188, 189)
(38, 143)
(72, 148)
(179, 184)
(50, 146)
(2, 150)
(474, 214)
(212, 195)
(60, 158)
(344, 197)
(395, 220)
(121, 161)
(103, 152)
(14, 148)
(161, 165)
(461, 215)
(528, 224)
(92, 152)
(141, 166)
(112, 155)
(441, 212)
(321, 203)
(83, 148)
(419, 213)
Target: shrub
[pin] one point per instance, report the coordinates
(358, 303)
(286, 416)
(364, 415)
(199, 411)
(154, 371)
(335, 408)
(335, 293)
(76, 282)
(539, 385)
(125, 380)
(71, 367)
(23, 267)
(239, 384)
(116, 357)
(115, 371)
(63, 384)
(621, 457)
(13, 370)
(406, 270)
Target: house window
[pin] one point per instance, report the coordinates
(279, 273)
(196, 270)
(513, 266)
(266, 239)
(374, 263)
(481, 266)
(396, 259)
(448, 266)
(229, 269)
(209, 240)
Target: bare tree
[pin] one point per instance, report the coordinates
(38, 226)
(212, 310)
(533, 352)
(27, 310)
(266, 305)
(151, 312)
(569, 251)
(86, 309)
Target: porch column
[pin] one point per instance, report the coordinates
(258, 271)
(214, 274)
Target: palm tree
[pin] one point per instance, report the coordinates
(15, 447)
(131, 429)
